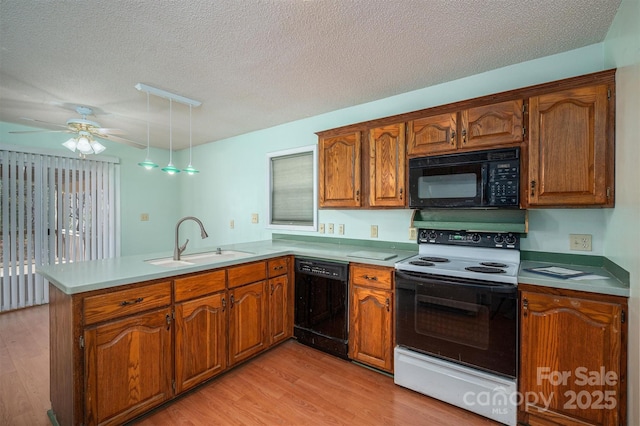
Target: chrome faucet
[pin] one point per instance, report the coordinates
(177, 250)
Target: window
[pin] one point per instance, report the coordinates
(293, 189)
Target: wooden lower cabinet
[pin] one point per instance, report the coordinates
(248, 321)
(573, 358)
(279, 311)
(128, 367)
(371, 316)
(201, 340)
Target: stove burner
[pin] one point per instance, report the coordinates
(434, 259)
(494, 264)
(485, 269)
(421, 263)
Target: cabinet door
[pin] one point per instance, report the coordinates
(569, 162)
(340, 169)
(201, 335)
(247, 321)
(571, 358)
(490, 125)
(279, 328)
(433, 134)
(387, 166)
(128, 367)
(370, 330)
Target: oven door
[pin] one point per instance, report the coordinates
(456, 185)
(462, 320)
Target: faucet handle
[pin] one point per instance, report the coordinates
(183, 247)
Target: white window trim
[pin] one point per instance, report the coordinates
(284, 153)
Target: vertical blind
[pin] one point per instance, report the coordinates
(55, 209)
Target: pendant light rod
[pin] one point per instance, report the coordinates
(167, 95)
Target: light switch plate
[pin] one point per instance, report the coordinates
(254, 217)
(413, 234)
(144, 217)
(321, 228)
(374, 231)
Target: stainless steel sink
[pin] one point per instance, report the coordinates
(199, 258)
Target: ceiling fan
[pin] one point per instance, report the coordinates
(85, 131)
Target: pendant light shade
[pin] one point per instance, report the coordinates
(147, 163)
(170, 168)
(190, 170)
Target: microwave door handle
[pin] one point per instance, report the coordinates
(484, 186)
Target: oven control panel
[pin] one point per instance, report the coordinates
(507, 240)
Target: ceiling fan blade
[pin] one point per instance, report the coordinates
(123, 140)
(41, 131)
(106, 131)
(44, 122)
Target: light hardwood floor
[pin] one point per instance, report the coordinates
(291, 384)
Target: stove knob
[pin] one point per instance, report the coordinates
(510, 239)
(433, 235)
(499, 239)
(475, 238)
(423, 234)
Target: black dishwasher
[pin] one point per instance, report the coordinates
(322, 305)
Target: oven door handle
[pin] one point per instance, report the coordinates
(469, 283)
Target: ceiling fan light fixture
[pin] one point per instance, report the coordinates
(71, 144)
(97, 147)
(84, 146)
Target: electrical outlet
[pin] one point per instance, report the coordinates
(374, 231)
(341, 229)
(413, 234)
(254, 217)
(232, 224)
(144, 217)
(581, 242)
(330, 228)
(321, 228)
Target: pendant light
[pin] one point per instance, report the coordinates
(147, 163)
(170, 169)
(190, 170)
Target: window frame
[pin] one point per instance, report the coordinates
(313, 149)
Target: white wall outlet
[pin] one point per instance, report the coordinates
(413, 234)
(330, 228)
(374, 231)
(321, 228)
(341, 229)
(144, 217)
(581, 242)
(232, 224)
(254, 217)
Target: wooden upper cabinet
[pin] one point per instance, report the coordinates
(340, 170)
(480, 127)
(387, 165)
(490, 125)
(433, 134)
(571, 148)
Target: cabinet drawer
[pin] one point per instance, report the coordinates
(245, 274)
(125, 302)
(372, 276)
(199, 285)
(278, 266)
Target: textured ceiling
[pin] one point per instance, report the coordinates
(258, 63)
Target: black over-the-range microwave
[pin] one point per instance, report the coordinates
(479, 179)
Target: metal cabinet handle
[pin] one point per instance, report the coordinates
(358, 195)
(168, 318)
(374, 278)
(272, 289)
(387, 304)
(232, 300)
(401, 193)
(453, 137)
(464, 136)
(525, 307)
(131, 302)
(224, 304)
(533, 187)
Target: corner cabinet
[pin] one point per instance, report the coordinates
(571, 147)
(480, 127)
(371, 316)
(573, 357)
